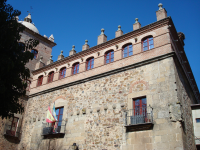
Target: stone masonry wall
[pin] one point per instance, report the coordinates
(186, 98)
(44, 49)
(104, 129)
(8, 142)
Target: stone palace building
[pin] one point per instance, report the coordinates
(133, 92)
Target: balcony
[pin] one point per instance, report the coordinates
(12, 133)
(139, 119)
(54, 130)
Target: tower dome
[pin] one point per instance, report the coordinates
(28, 23)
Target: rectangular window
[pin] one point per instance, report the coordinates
(12, 128)
(139, 112)
(59, 115)
(197, 120)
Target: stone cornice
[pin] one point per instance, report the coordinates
(109, 43)
(182, 58)
(135, 65)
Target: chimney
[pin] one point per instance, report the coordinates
(102, 37)
(50, 61)
(61, 56)
(119, 32)
(39, 64)
(136, 25)
(85, 46)
(161, 13)
(72, 52)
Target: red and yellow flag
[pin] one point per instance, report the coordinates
(50, 117)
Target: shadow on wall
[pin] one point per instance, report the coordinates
(12, 139)
(49, 144)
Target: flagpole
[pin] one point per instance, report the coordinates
(48, 122)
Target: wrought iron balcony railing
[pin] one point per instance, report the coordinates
(54, 128)
(140, 115)
(12, 131)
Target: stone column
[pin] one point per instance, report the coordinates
(85, 46)
(61, 56)
(119, 32)
(136, 25)
(102, 37)
(73, 51)
(50, 61)
(39, 64)
(161, 13)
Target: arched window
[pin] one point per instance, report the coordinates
(109, 57)
(50, 77)
(147, 43)
(35, 53)
(90, 63)
(62, 73)
(22, 46)
(127, 50)
(75, 68)
(40, 78)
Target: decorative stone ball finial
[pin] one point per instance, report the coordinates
(119, 27)
(102, 31)
(136, 20)
(160, 6)
(86, 42)
(61, 52)
(73, 47)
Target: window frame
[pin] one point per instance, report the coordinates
(197, 119)
(128, 52)
(59, 123)
(33, 51)
(141, 108)
(40, 79)
(148, 45)
(110, 56)
(50, 77)
(62, 73)
(12, 133)
(75, 68)
(58, 116)
(91, 61)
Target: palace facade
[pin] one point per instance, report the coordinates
(133, 92)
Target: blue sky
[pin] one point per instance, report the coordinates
(73, 21)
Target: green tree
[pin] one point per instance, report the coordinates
(13, 58)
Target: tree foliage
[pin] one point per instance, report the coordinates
(13, 58)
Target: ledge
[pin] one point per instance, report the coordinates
(139, 127)
(54, 135)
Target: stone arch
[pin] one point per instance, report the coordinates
(139, 86)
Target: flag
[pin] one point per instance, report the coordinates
(50, 117)
(54, 112)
